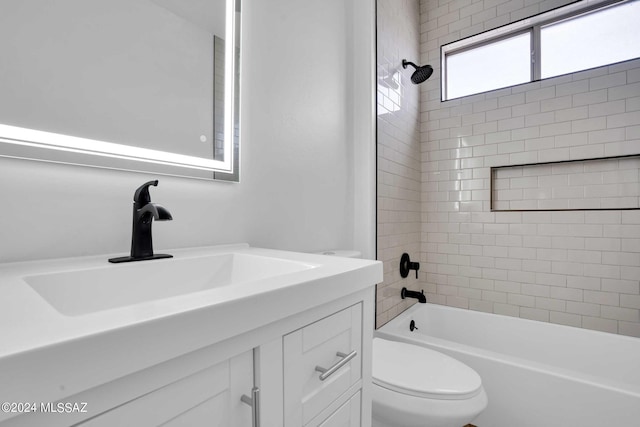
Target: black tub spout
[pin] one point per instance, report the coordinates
(406, 293)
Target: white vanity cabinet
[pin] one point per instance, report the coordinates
(181, 341)
(284, 360)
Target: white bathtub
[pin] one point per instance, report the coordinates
(536, 374)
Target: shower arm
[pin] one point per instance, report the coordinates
(405, 63)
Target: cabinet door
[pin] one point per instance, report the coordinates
(210, 397)
(321, 344)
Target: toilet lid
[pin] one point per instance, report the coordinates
(419, 371)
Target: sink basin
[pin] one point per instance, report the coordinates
(79, 292)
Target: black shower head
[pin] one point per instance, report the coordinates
(421, 74)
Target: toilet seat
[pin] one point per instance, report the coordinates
(418, 371)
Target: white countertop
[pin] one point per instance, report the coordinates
(46, 356)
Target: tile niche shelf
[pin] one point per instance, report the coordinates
(604, 183)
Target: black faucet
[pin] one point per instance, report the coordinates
(144, 212)
(406, 293)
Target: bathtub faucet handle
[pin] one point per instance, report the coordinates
(406, 265)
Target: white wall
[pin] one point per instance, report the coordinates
(575, 268)
(298, 151)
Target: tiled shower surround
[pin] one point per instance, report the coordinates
(399, 164)
(579, 268)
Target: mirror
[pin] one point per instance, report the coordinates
(142, 85)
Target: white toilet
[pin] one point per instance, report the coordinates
(416, 386)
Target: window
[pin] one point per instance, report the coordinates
(561, 41)
(590, 40)
(505, 62)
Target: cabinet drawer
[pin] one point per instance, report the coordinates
(318, 345)
(348, 415)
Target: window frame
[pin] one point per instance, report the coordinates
(533, 25)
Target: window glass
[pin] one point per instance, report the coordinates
(502, 63)
(598, 38)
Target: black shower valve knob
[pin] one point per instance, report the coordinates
(406, 265)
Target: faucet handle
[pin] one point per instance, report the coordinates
(406, 265)
(141, 197)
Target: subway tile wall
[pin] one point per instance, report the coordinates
(399, 156)
(579, 268)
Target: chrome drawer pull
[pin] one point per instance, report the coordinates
(254, 402)
(326, 373)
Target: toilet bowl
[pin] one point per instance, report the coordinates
(414, 386)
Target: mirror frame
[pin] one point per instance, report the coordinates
(31, 144)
